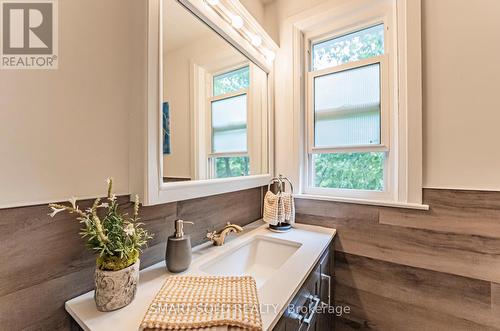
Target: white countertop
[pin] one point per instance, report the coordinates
(277, 291)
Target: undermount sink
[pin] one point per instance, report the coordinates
(260, 257)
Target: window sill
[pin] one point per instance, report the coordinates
(393, 204)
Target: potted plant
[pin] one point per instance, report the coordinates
(117, 239)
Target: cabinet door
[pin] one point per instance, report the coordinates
(281, 325)
(325, 320)
(317, 287)
(301, 302)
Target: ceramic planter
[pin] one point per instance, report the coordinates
(115, 289)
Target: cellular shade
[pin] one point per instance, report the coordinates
(347, 107)
(229, 124)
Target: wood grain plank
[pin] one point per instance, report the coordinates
(495, 299)
(41, 307)
(470, 256)
(338, 210)
(55, 265)
(465, 212)
(212, 213)
(155, 251)
(167, 211)
(343, 324)
(39, 248)
(373, 312)
(457, 296)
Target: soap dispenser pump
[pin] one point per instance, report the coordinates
(178, 253)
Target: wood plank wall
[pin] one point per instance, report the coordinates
(416, 270)
(43, 262)
(397, 269)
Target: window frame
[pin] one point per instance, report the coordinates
(406, 139)
(210, 155)
(386, 110)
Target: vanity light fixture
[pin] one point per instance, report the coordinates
(236, 21)
(270, 55)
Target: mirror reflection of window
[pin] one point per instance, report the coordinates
(229, 124)
(216, 104)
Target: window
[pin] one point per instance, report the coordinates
(228, 155)
(348, 110)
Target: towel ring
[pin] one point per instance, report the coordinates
(275, 180)
(281, 181)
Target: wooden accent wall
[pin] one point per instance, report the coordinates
(43, 261)
(409, 270)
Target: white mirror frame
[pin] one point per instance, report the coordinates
(146, 148)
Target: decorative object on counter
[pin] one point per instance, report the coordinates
(218, 238)
(178, 252)
(116, 289)
(118, 239)
(279, 207)
(194, 302)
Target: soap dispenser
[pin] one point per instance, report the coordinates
(178, 253)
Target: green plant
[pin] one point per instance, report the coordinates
(116, 237)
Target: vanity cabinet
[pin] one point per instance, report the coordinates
(305, 312)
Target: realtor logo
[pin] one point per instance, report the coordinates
(29, 34)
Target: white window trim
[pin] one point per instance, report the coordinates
(246, 91)
(385, 61)
(407, 136)
(209, 140)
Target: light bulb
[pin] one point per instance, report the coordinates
(213, 2)
(270, 55)
(237, 21)
(256, 40)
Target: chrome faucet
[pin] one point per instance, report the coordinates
(218, 238)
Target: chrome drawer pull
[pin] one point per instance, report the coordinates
(313, 306)
(329, 278)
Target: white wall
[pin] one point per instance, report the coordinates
(256, 8)
(176, 92)
(64, 131)
(461, 79)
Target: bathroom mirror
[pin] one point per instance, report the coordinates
(214, 104)
(209, 119)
